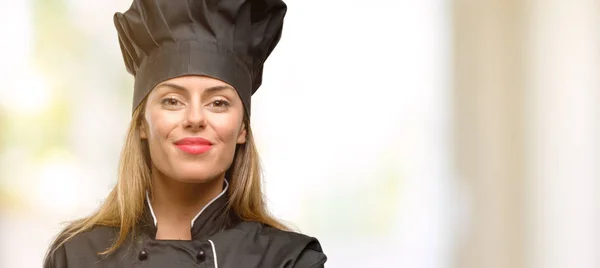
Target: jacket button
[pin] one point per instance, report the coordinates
(201, 256)
(143, 255)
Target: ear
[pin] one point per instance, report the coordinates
(143, 134)
(242, 135)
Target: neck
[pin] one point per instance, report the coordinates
(176, 203)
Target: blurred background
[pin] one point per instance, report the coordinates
(429, 133)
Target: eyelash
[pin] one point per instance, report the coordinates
(223, 102)
(166, 101)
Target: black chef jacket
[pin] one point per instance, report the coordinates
(219, 239)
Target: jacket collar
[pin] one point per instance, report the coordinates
(210, 219)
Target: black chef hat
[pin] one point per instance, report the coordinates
(224, 39)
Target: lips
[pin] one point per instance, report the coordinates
(193, 145)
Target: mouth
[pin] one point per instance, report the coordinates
(193, 145)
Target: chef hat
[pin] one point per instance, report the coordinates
(224, 39)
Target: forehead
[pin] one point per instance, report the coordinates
(194, 83)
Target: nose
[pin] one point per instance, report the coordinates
(194, 117)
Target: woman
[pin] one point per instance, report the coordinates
(188, 192)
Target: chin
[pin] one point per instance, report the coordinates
(194, 175)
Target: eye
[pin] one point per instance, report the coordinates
(219, 104)
(170, 101)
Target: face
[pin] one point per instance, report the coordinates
(192, 125)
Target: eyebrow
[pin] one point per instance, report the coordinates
(206, 91)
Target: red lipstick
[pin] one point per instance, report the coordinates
(193, 145)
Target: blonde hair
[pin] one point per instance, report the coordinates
(124, 206)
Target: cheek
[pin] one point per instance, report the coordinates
(227, 130)
(159, 126)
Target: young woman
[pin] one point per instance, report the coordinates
(189, 192)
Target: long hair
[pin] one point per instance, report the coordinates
(124, 205)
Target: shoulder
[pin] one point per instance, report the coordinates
(310, 252)
(85, 245)
(293, 248)
(98, 239)
(275, 234)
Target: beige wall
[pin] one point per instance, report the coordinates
(563, 70)
(526, 133)
(488, 93)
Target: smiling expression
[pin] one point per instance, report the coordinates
(192, 125)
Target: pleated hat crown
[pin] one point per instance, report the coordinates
(225, 39)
